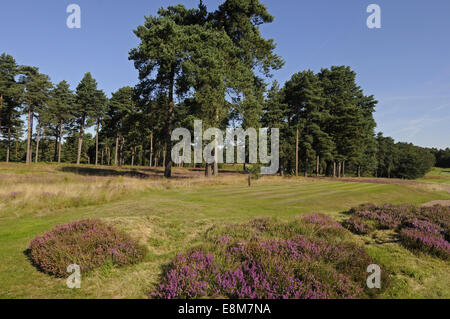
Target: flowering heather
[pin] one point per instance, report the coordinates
(88, 243)
(322, 220)
(189, 276)
(422, 225)
(420, 228)
(275, 262)
(427, 242)
(357, 225)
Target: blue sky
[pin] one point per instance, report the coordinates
(405, 64)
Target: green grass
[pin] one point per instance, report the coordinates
(438, 175)
(172, 219)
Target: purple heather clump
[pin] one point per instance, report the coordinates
(425, 228)
(88, 243)
(384, 220)
(189, 276)
(429, 242)
(322, 220)
(357, 225)
(265, 268)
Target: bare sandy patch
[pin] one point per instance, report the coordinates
(436, 202)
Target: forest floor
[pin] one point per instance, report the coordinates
(169, 216)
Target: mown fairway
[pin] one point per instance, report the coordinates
(438, 175)
(170, 216)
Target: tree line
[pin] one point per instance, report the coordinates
(442, 157)
(213, 66)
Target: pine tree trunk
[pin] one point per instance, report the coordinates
(359, 170)
(216, 169)
(60, 141)
(151, 149)
(38, 137)
(16, 155)
(29, 132)
(121, 159)
(1, 107)
(334, 169)
(167, 159)
(80, 141)
(96, 142)
(216, 153)
(133, 150)
(164, 159)
(216, 162)
(343, 169)
(101, 159)
(55, 153)
(339, 170)
(9, 145)
(317, 165)
(296, 153)
(306, 167)
(281, 167)
(116, 150)
(208, 168)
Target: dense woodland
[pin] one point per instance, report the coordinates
(213, 66)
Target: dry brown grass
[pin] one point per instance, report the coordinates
(40, 189)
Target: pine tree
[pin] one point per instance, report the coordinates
(275, 114)
(350, 123)
(88, 100)
(60, 107)
(99, 114)
(304, 97)
(160, 59)
(36, 96)
(120, 106)
(10, 94)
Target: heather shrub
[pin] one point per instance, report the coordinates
(423, 229)
(426, 242)
(357, 225)
(189, 276)
(265, 259)
(89, 243)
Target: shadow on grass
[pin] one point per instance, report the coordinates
(91, 171)
(143, 173)
(221, 171)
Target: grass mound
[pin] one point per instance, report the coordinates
(89, 243)
(308, 258)
(425, 229)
